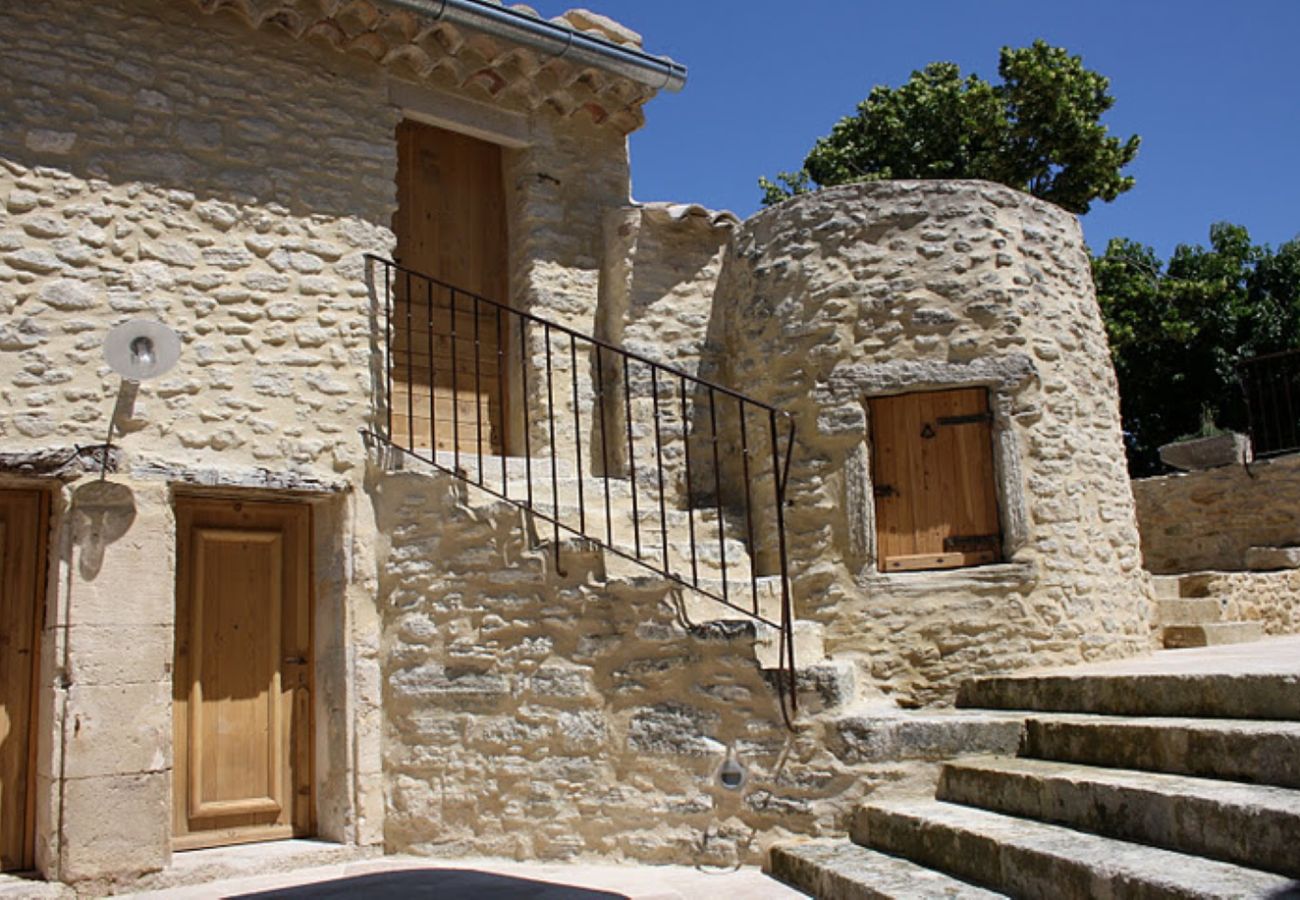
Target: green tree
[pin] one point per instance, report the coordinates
(1178, 330)
(1039, 131)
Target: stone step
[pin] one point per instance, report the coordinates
(1258, 752)
(1250, 825)
(1032, 859)
(1272, 559)
(887, 736)
(1188, 611)
(1188, 585)
(1211, 634)
(1243, 694)
(832, 869)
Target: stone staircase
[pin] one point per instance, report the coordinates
(1157, 779)
(1189, 615)
(663, 540)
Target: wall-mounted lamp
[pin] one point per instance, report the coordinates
(731, 774)
(137, 350)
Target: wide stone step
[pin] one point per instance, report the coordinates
(1258, 752)
(1032, 859)
(841, 870)
(1241, 694)
(1251, 825)
(1188, 611)
(1212, 634)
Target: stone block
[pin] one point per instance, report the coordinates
(1267, 559)
(1207, 453)
(116, 826)
(119, 729)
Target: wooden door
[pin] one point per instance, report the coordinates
(449, 345)
(932, 468)
(22, 567)
(242, 696)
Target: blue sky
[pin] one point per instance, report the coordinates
(1213, 88)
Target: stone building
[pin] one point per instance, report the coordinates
(397, 556)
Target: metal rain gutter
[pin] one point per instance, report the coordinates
(658, 72)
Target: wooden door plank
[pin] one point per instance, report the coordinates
(22, 566)
(451, 226)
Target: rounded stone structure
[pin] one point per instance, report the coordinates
(831, 300)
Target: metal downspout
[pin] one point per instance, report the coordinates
(554, 40)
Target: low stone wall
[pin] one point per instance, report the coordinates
(1208, 519)
(1270, 598)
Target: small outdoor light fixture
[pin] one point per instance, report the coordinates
(137, 350)
(731, 774)
(141, 349)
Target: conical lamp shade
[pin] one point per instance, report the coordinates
(141, 349)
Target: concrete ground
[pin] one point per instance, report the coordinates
(393, 877)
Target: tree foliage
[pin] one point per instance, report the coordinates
(1039, 131)
(1178, 329)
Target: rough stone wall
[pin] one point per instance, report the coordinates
(661, 267)
(152, 170)
(889, 287)
(536, 714)
(1270, 598)
(157, 162)
(1208, 519)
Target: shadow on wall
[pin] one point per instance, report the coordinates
(194, 103)
(445, 884)
(102, 512)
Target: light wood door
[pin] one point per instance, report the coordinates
(932, 468)
(448, 358)
(22, 564)
(242, 696)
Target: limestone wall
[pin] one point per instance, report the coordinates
(159, 162)
(1208, 519)
(534, 713)
(884, 288)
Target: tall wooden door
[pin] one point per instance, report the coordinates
(932, 468)
(22, 564)
(448, 343)
(242, 695)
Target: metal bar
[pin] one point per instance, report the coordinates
(550, 418)
(410, 369)
(717, 489)
(787, 612)
(631, 455)
(1290, 407)
(523, 405)
(433, 379)
(455, 386)
(501, 403)
(544, 516)
(577, 431)
(388, 348)
(478, 394)
(749, 512)
(555, 326)
(659, 464)
(690, 504)
(601, 410)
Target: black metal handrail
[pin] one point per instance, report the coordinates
(1271, 384)
(693, 458)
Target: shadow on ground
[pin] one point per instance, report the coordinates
(445, 884)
